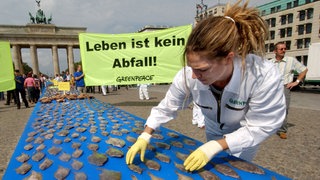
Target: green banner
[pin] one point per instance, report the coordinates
(136, 58)
(6, 68)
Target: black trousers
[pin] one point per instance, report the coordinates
(23, 96)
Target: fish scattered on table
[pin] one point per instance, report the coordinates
(163, 145)
(116, 142)
(65, 157)
(76, 145)
(180, 167)
(67, 139)
(83, 138)
(151, 164)
(77, 153)
(181, 156)
(45, 164)
(75, 135)
(54, 150)
(245, 166)
(182, 176)
(76, 164)
(95, 139)
(157, 136)
(131, 139)
(153, 177)
(34, 176)
(135, 168)
(162, 157)
(176, 144)
(48, 136)
(38, 156)
(40, 147)
(93, 147)
(208, 175)
(28, 147)
(114, 152)
(61, 173)
(23, 169)
(29, 139)
(189, 142)
(110, 175)
(23, 157)
(57, 141)
(80, 176)
(173, 135)
(225, 170)
(97, 159)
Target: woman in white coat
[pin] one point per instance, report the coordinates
(239, 93)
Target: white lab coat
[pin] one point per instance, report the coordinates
(253, 104)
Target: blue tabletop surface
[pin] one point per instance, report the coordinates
(89, 113)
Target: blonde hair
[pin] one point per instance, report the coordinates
(240, 30)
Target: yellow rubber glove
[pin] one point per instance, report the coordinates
(140, 145)
(201, 156)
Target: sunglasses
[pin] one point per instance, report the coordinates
(282, 49)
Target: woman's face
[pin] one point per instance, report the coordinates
(209, 71)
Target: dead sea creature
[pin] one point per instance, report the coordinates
(189, 142)
(177, 144)
(75, 145)
(225, 170)
(162, 157)
(207, 175)
(54, 150)
(93, 147)
(95, 139)
(180, 167)
(135, 168)
(182, 176)
(181, 156)
(245, 166)
(38, 156)
(65, 157)
(76, 165)
(61, 173)
(40, 147)
(131, 139)
(77, 153)
(23, 158)
(153, 177)
(45, 164)
(116, 142)
(28, 147)
(97, 159)
(80, 176)
(163, 145)
(114, 152)
(157, 136)
(23, 169)
(110, 175)
(151, 164)
(34, 176)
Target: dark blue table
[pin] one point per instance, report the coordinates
(90, 112)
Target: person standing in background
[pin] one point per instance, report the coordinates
(79, 78)
(20, 90)
(287, 66)
(29, 83)
(143, 91)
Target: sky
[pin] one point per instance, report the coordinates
(101, 16)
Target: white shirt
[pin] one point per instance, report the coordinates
(287, 66)
(253, 104)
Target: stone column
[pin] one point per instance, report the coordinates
(16, 57)
(55, 59)
(70, 59)
(34, 59)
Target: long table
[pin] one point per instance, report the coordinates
(58, 125)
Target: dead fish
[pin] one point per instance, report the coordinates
(48, 136)
(104, 133)
(189, 142)
(135, 168)
(151, 147)
(151, 164)
(23, 157)
(57, 141)
(181, 156)
(67, 139)
(93, 147)
(61, 173)
(153, 177)
(162, 157)
(157, 136)
(63, 132)
(180, 167)
(116, 142)
(114, 152)
(81, 129)
(76, 165)
(131, 139)
(80, 176)
(29, 139)
(207, 175)
(83, 138)
(116, 132)
(137, 130)
(75, 135)
(23, 169)
(245, 166)
(97, 159)
(133, 177)
(75, 145)
(225, 170)
(163, 145)
(65, 157)
(34, 176)
(182, 176)
(110, 175)
(38, 156)
(33, 133)
(77, 153)
(95, 139)
(45, 164)
(40, 147)
(54, 150)
(28, 147)
(176, 144)
(124, 131)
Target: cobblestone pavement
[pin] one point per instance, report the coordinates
(296, 157)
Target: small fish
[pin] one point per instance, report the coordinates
(23, 169)
(157, 136)
(61, 173)
(75, 145)
(163, 145)
(245, 166)
(116, 142)
(208, 175)
(57, 141)
(65, 157)
(40, 147)
(110, 175)
(114, 152)
(152, 164)
(182, 176)
(28, 147)
(181, 156)
(180, 167)
(97, 159)
(173, 135)
(131, 139)
(116, 132)
(162, 157)
(38, 156)
(189, 142)
(67, 139)
(225, 170)
(153, 177)
(45, 164)
(54, 150)
(76, 164)
(177, 144)
(135, 168)
(77, 153)
(23, 158)
(95, 139)
(81, 129)
(34, 176)
(93, 147)
(29, 139)
(80, 176)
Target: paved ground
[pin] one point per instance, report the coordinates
(297, 157)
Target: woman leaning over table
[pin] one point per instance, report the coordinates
(239, 92)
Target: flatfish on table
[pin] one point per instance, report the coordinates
(162, 157)
(38, 156)
(116, 142)
(77, 153)
(135, 168)
(225, 170)
(163, 145)
(208, 175)
(54, 150)
(34, 176)
(97, 159)
(80, 176)
(45, 164)
(65, 157)
(110, 175)
(153, 177)
(77, 164)
(23, 157)
(61, 173)
(181, 156)
(244, 166)
(23, 169)
(183, 177)
(114, 152)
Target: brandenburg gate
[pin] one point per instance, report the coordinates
(34, 36)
